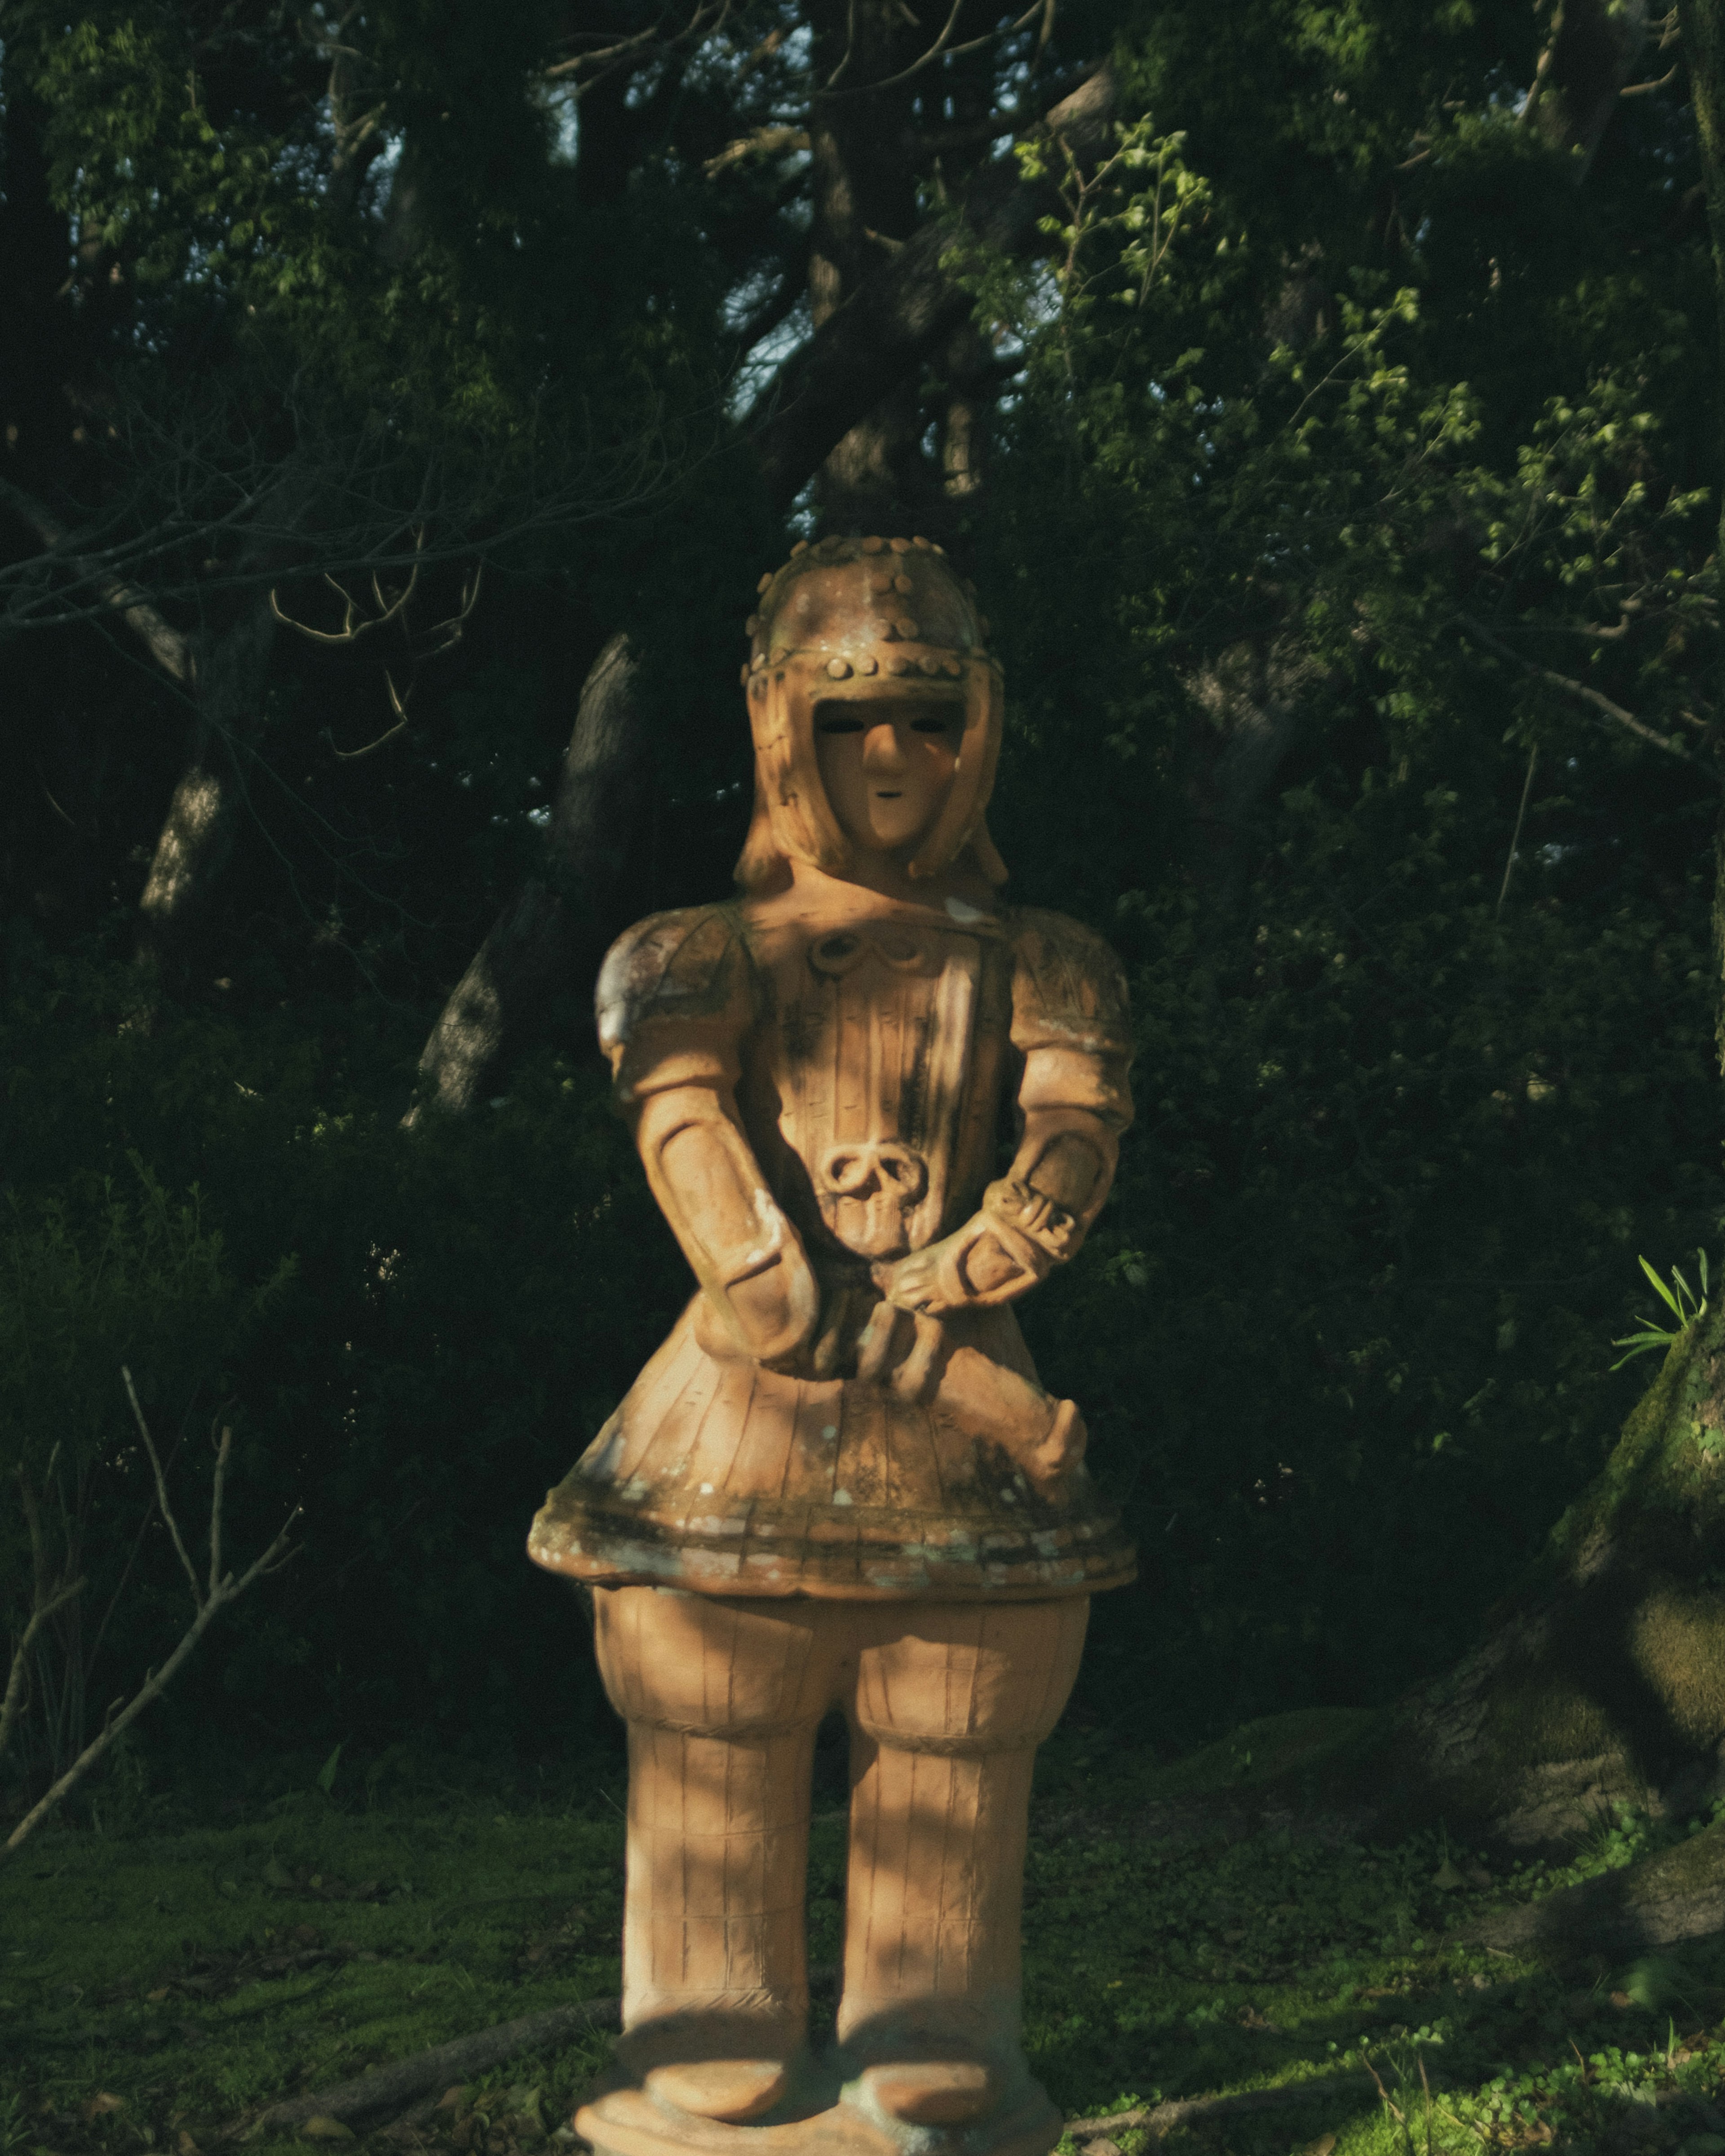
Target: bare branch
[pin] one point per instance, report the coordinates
(941, 46)
(1515, 836)
(1668, 742)
(441, 637)
(1163, 2119)
(222, 1450)
(445, 635)
(353, 624)
(18, 1678)
(1530, 105)
(398, 705)
(759, 142)
(222, 1591)
(198, 505)
(167, 646)
(167, 1514)
(706, 21)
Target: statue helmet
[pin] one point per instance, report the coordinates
(848, 620)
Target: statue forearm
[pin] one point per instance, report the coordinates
(1034, 1218)
(759, 1289)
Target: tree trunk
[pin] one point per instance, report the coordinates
(198, 831)
(868, 343)
(1702, 26)
(1584, 72)
(864, 209)
(550, 932)
(1602, 1677)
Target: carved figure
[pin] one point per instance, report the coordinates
(839, 1483)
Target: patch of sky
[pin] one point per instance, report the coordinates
(380, 179)
(644, 86)
(563, 110)
(760, 365)
(805, 512)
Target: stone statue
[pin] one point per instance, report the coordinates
(839, 1483)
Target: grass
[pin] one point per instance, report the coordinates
(156, 1985)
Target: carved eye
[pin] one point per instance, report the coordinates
(935, 723)
(837, 722)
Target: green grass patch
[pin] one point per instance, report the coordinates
(156, 1987)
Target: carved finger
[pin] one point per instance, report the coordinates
(830, 1346)
(874, 1351)
(914, 1378)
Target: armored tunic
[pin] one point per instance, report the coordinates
(870, 1059)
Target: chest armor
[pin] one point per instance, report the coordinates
(873, 1095)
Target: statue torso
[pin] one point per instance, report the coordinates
(872, 1085)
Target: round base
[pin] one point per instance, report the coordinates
(629, 2123)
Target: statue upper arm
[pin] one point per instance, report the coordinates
(674, 998)
(1071, 1019)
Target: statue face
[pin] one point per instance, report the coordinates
(887, 763)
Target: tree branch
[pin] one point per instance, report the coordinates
(208, 1606)
(12, 1705)
(388, 2091)
(1158, 2120)
(173, 1525)
(898, 314)
(1668, 742)
(168, 646)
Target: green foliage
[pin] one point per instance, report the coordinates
(1683, 1302)
(1359, 585)
(94, 1280)
(460, 1310)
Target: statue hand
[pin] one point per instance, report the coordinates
(862, 1333)
(1000, 1253)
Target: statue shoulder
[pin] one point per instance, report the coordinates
(688, 964)
(1068, 986)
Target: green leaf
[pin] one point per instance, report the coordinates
(1661, 1290)
(327, 1773)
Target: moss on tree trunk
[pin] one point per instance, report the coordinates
(1600, 1679)
(1602, 1675)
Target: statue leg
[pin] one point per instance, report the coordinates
(721, 1696)
(951, 1700)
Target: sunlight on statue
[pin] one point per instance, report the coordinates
(840, 1483)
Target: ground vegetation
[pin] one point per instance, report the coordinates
(1199, 1976)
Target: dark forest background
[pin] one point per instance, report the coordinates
(1326, 400)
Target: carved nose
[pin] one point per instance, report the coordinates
(883, 752)
(860, 1169)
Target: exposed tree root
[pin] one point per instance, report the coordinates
(377, 2097)
(1094, 2134)
(1676, 1894)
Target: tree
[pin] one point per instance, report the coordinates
(1535, 528)
(1337, 460)
(382, 386)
